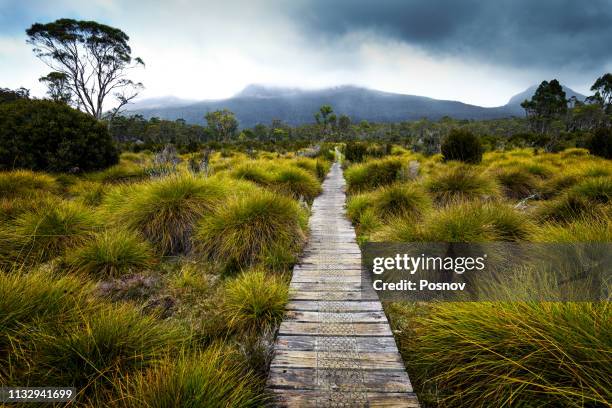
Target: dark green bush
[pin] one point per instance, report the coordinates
(50, 136)
(355, 151)
(600, 143)
(462, 145)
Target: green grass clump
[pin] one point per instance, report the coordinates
(407, 200)
(29, 303)
(247, 229)
(587, 198)
(476, 222)
(558, 184)
(210, 378)
(50, 230)
(357, 204)
(254, 300)
(120, 173)
(399, 229)
(296, 183)
(461, 183)
(88, 192)
(516, 183)
(111, 253)
(317, 167)
(165, 211)
(512, 354)
(596, 190)
(252, 172)
(25, 183)
(107, 344)
(592, 229)
(372, 174)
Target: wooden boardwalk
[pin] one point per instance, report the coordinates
(334, 347)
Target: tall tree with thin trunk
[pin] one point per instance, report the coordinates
(94, 59)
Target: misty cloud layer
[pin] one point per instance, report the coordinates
(542, 33)
(479, 52)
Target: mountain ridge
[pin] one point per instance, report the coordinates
(294, 106)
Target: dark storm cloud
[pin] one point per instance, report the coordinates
(531, 33)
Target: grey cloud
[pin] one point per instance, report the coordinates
(530, 33)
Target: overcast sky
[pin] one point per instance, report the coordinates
(479, 52)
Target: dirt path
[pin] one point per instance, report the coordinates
(335, 347)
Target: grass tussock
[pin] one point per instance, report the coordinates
(108, 343)
(516, 354)
(211, 378)
(247, 229)
(516, 183)
(476, 222)
(112, 253)
(592, 229)
(373, 174)
(49, 231)
(589, 198)
(461, 182)
(297, 183)
(254, 300)
(165, 211)
(25, 183)
(31, 303)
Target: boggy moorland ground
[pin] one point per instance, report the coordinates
(162, 285)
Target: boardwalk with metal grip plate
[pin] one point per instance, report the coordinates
(335, 347)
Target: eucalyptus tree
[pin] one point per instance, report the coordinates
(90, 62)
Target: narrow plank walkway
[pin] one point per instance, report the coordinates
(335, 347)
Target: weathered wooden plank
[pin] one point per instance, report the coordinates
(356, 317)
(306, 379)
(367, 361)
(360, 329)
(361, 295)
(363, 306)
(317, 287)
(310, 398)
(375, 344)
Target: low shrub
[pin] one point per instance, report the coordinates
(372, 174)
(600, 143)
(247, 229)
(463, 146)
(111, 253)
(461, 183)
(253, 301)
(166, 210)
(51, 136)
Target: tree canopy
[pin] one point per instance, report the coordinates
(90, 61)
